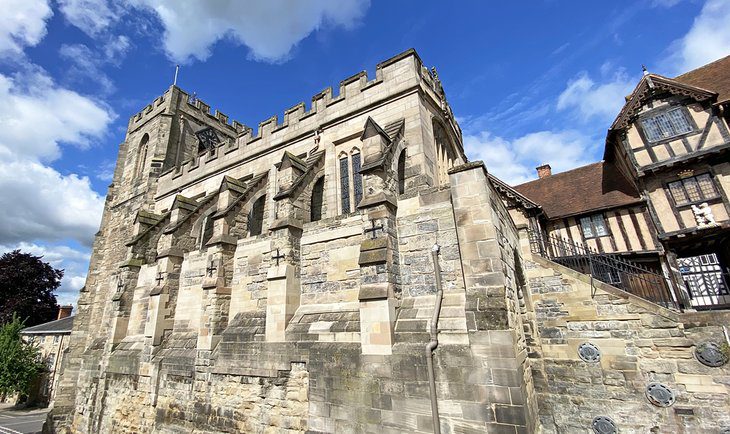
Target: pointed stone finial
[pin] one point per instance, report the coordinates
(644, 70)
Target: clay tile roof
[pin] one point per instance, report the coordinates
(714, 76)
(589, 188)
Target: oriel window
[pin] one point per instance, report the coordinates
(693, 189)
(665, 125)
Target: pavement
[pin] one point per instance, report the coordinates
(21, 421)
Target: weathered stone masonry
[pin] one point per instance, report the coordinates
(194, 320)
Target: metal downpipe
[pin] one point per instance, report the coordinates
(434, 342)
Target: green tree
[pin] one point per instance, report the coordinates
(26, 288)
(20, 361)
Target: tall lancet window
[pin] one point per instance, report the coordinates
(141, 155)
(315, 211)
(256, 217)
(402, 172)
(356, 179)
(345, 184)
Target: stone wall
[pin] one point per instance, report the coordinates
(639, 342)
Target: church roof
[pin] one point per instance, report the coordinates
(714, 76)
(582, 190)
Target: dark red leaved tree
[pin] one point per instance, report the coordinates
(26, 288)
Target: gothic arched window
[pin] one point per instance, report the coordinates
(142, 155)
(317, 203)
(402, 172)
(356, 179)
(345, 184)
(256, 217)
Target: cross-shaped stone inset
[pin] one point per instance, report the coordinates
(373, 229)
(211, 269)
(278, 256)
(159, 278)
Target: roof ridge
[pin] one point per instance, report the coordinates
(562, 173)
(706, 65)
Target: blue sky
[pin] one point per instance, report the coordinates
(529, 82)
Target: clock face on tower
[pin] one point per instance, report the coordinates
(207, 139)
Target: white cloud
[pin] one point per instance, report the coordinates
(105, 170)
(596, 101)
(74, 262)
(708, 39)
(514, 161)
(90, 16)
(22, 24)
(86, 66)
(665, 3)
(116, 48)
(39, 203)
(36, 116)
(270, 29)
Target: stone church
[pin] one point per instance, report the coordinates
(346, 269)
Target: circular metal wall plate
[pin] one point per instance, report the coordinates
(604, 425)
(589, 352)
(710, 354)
(660, 395)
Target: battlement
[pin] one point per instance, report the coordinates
(188, 104)
(393, 76)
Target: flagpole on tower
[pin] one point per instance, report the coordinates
(177, 69)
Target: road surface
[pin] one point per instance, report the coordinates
(25, 421)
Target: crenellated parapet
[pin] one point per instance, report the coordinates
(176, 100)
(398, 76)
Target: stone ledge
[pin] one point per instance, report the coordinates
(374, 292)
(372, 257)
(467, 166)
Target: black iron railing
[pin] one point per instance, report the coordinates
(608, 268)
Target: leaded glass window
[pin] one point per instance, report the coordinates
(345, 185)
(665, 125)
(317, 203)
(256, 217)
(356, 179)
(593, 226)
(693, 189)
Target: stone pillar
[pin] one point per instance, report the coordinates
(122, 299)
(479, 248)
(378, 270)
(378, 250)
(216, 294)
(160, 311)
(283, 276)
(492, 305)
